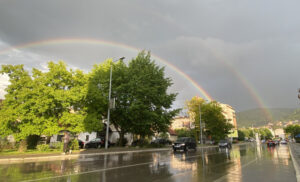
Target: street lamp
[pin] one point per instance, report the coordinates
(201, 142)
(109, 104)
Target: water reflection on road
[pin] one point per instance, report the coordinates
(242, 163)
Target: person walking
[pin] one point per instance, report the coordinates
(66, 142)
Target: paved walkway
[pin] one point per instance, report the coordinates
(295, 154)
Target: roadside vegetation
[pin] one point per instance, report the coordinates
(214, 124)
(40, 102)
(247, 133)
(47, 102)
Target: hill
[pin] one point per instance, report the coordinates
(257, 117)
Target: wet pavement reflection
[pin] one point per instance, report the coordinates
(241, 163)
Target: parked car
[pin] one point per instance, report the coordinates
(225, 143)
(161, 141)
(271, 143)
(284, 142)
(96, 143)
(80, 143)
(184, 143)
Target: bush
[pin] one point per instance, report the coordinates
(140, 143)
(43, 147)
(32, 141)
(74, 145)
(122, 143)
(4, 145)
(57, 145)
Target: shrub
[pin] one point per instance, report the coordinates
(122, 143)
(57, 145)
(43, 147)
(140, 143)
(74, 145)
(32, 141)
(4, 145)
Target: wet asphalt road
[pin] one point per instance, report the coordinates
(241, 163)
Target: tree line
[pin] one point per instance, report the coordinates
(46, 102)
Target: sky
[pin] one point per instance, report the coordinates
(243, 53)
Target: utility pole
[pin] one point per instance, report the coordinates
(200, 124)
(109, 105)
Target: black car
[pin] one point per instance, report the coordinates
(184, 143)
(224, 143)
(96, 143)
(162, 141)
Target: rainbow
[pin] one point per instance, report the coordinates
(198, 87)
(254, 94)
(108, 43)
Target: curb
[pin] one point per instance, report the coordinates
(296, 165)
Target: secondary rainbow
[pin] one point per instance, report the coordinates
(108, 43)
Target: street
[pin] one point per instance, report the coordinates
(241, 163)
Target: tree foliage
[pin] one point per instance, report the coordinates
(143, 105)
(44, 102)
(293, 130)
(216, 125)
(264, 133)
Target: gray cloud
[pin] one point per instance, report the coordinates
(220, 44)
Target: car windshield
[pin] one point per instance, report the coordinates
(181, 140)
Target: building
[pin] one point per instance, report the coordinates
(181, 122)
(229, 114)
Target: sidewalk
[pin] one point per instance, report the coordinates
(58, 156)
(7, 159)
(295, 154)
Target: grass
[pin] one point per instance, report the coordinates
(30, 151)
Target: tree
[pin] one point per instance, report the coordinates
(185, 133)
(148, 100)
(44, 102)
(241, 135)
(292, 129)
(143, 105)
(216, 125)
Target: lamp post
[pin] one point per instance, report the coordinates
(109, 105)
(200, 124)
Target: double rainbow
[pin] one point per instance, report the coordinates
(198, 87)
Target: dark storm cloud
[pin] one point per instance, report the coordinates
(220, 44)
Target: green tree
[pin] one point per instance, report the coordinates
(44, 102)
(143, 105)
(185, 133)
(216, 125)
(149, 101)
(293, 130)
(241, 135)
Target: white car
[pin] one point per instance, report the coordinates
(283, 142)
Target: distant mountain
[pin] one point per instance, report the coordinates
(258, 117)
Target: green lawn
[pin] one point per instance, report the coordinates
(31, 151)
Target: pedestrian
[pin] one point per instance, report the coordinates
(66, 142)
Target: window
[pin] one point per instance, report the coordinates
(87, 137)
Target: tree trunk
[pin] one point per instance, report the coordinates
(23, 146)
